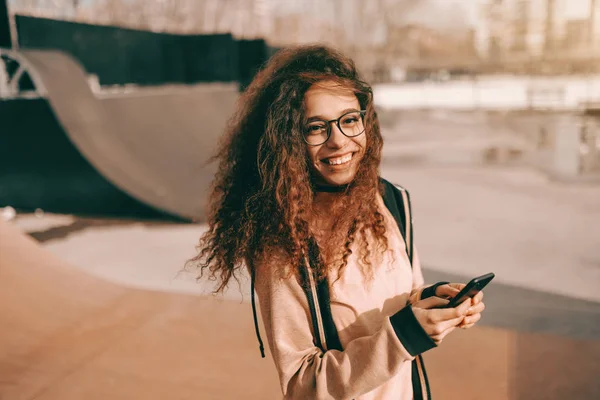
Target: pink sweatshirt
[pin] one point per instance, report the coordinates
(379, 340)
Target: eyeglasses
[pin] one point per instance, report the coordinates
(318, 131)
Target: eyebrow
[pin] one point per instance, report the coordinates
(322, 118)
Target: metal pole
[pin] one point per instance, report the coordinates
(13, 28)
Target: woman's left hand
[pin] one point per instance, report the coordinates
(477, 306)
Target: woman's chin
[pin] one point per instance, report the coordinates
(337, 179)
(338, 182)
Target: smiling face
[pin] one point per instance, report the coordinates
(336, 161)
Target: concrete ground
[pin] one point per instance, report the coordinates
(540, 334)
(73, 336)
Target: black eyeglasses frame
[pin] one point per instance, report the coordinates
(337, 123)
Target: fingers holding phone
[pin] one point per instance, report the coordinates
(449, 290)
(473, 313)
(467, 300)
(436, 320)
(472, 294)
(478, 298)
(471, 291)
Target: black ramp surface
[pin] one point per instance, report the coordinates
(152, 144)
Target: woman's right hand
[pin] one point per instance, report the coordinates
(439, 322)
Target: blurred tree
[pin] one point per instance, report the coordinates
(156, 15)
(369, 28)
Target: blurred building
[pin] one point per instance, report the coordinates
(532, 29)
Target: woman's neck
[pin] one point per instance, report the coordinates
(326, 207)
(324, 188)
(324, 201)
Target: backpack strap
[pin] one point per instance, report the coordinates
(325, 333)
(397, 201)
(317, 293)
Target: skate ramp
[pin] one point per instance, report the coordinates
(152, 144)
(67, 335)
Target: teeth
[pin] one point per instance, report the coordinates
(340, 160)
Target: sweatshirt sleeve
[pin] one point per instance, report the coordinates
(306, 372)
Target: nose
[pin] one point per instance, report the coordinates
(337, 139)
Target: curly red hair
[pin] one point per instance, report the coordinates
(261, 203)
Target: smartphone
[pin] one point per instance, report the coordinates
(472, 288)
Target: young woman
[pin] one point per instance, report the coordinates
(299, 177)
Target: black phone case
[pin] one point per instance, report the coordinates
(472, 288)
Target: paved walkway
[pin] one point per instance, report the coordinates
(74, 336)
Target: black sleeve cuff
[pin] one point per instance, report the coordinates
(430, 291)
(410, 332)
